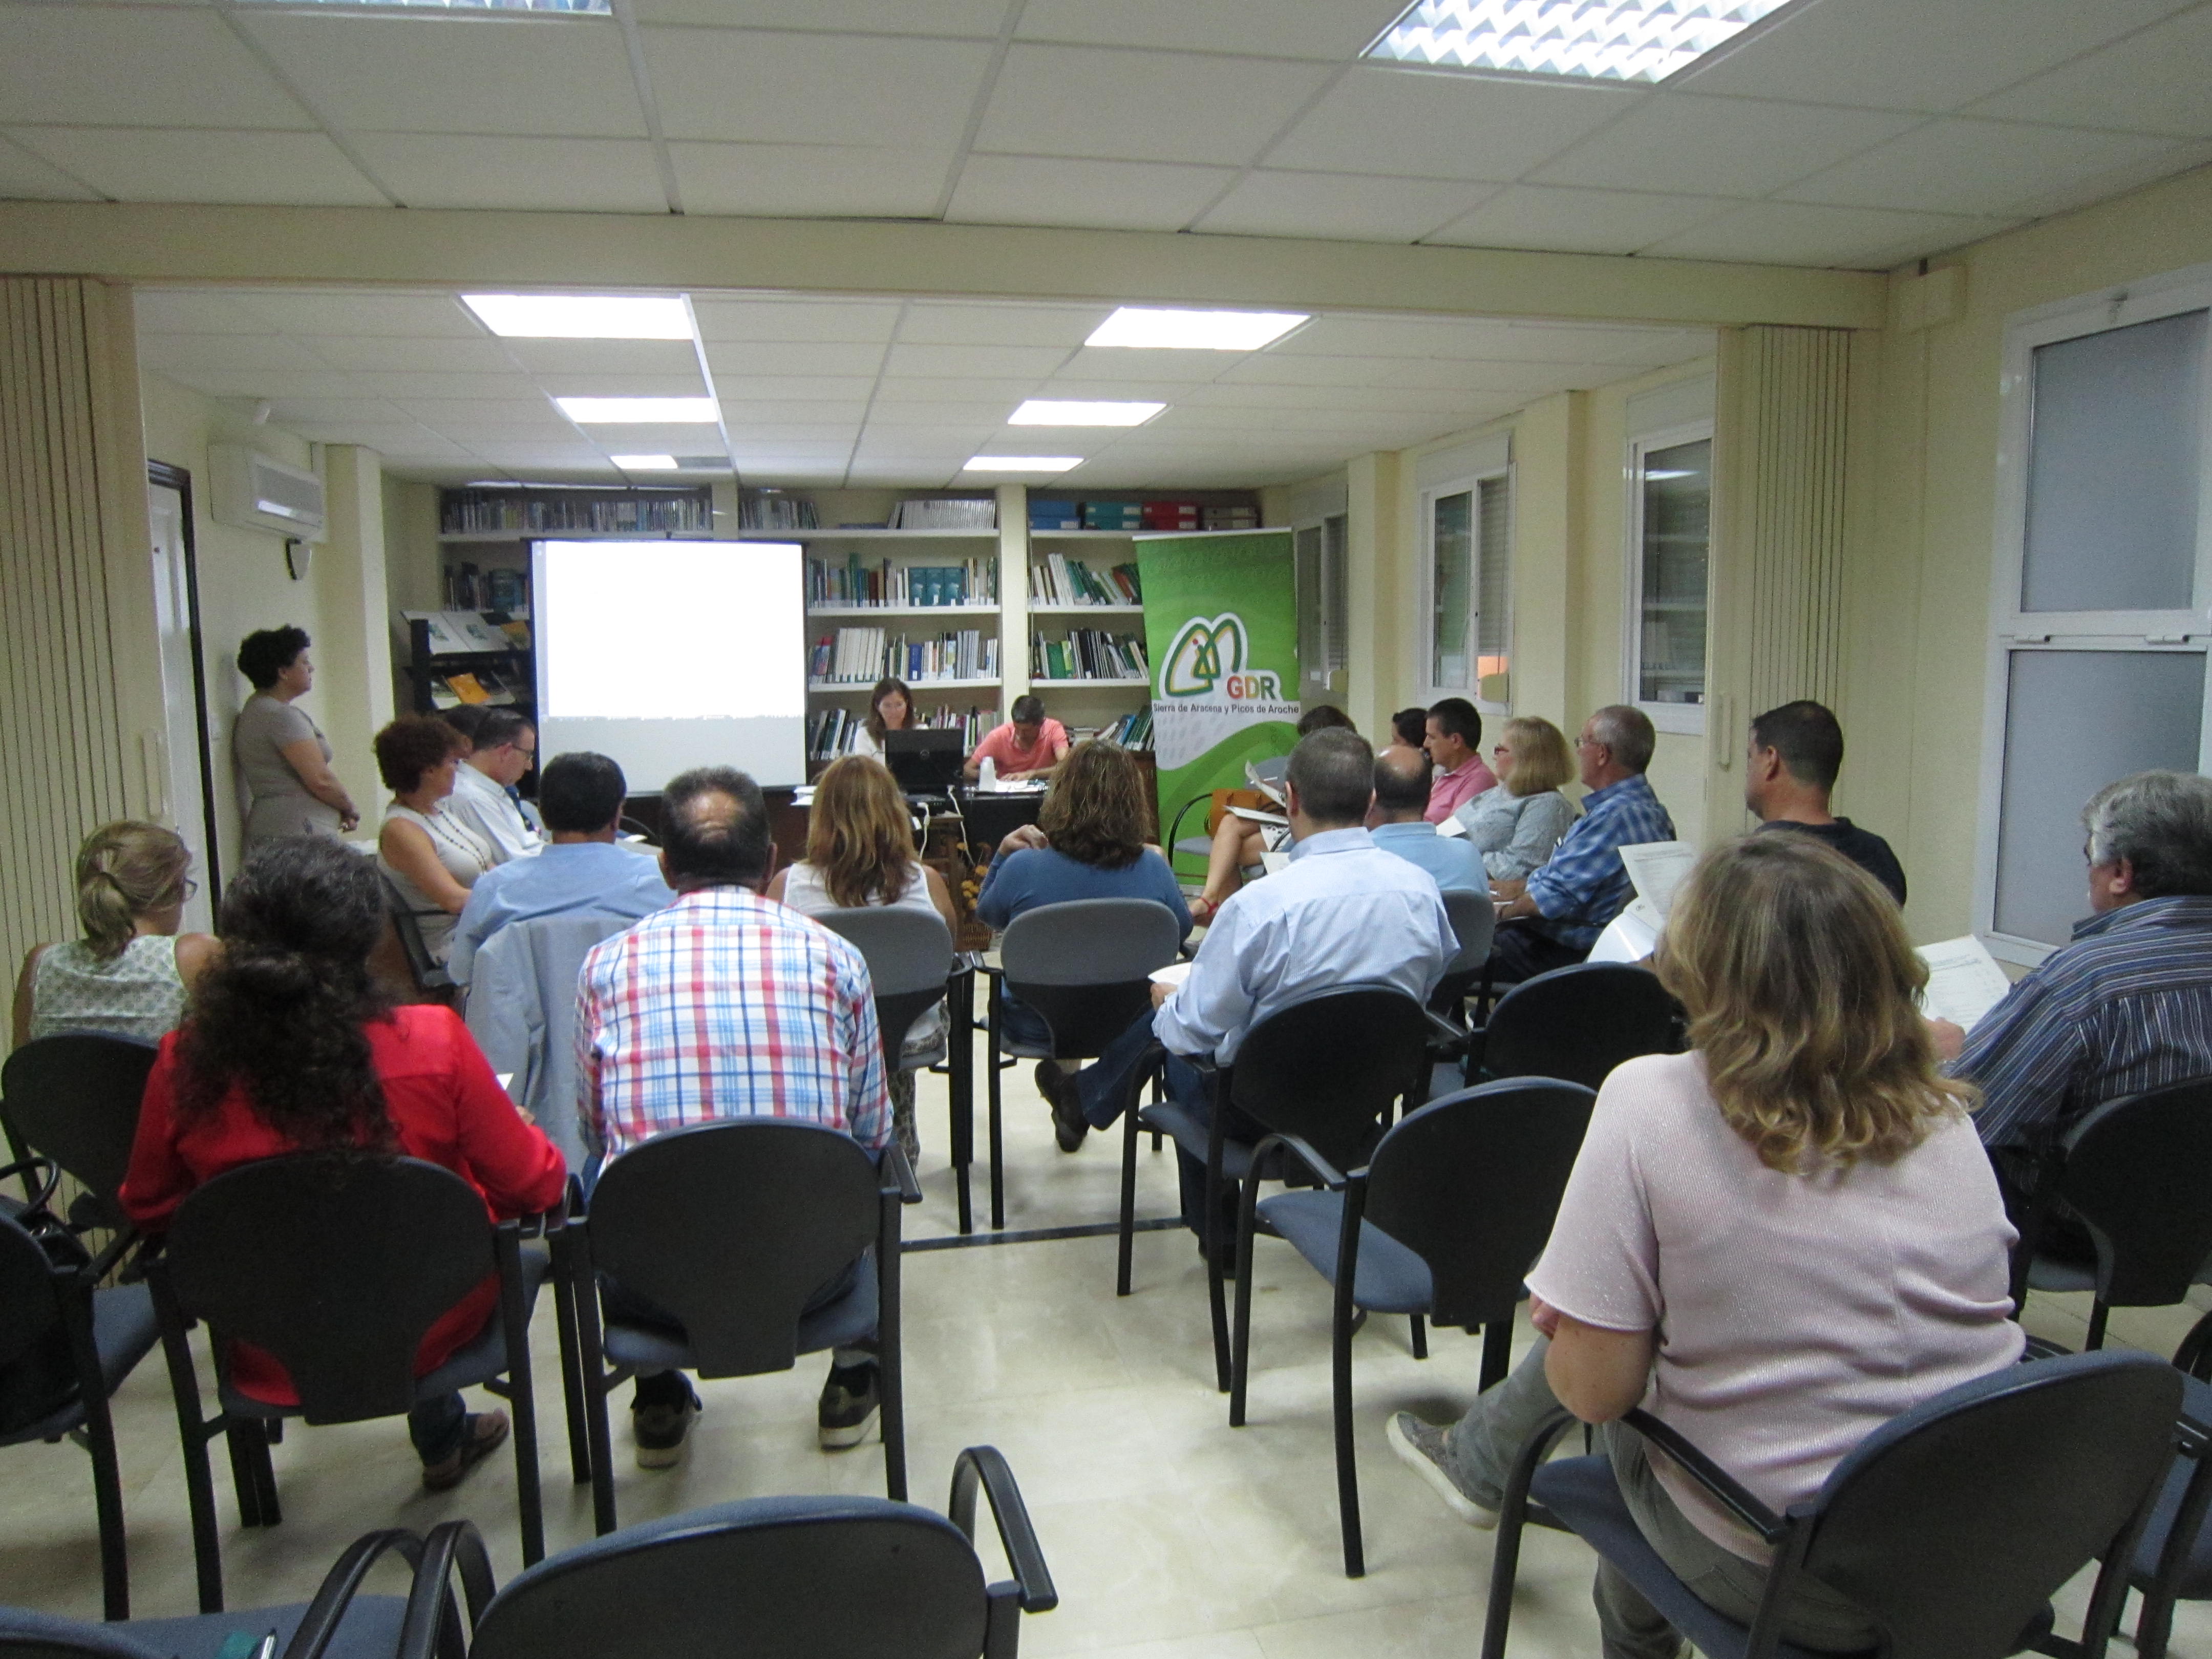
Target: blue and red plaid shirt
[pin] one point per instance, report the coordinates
(726, 1004)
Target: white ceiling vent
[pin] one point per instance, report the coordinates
(255, 492)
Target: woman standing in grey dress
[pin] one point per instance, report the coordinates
(283, 759)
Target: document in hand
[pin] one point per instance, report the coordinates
(1174, 974)
(1964, 981)
(1656, 869)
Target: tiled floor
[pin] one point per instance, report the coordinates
(1171, 1536)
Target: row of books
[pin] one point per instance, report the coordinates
(1057, 580)
(452, 691)
(834, 731)
(500, 588)
(969, 514)
(851, 581)
(771, 509)
(467, 512)
(862, 656)
(1139, 515)
(1089, 653)
(1132, 730)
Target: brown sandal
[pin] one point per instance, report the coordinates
(482, 1434)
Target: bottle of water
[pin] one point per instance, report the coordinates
(990, 773)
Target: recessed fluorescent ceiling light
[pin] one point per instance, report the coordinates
(1589, 39)
(667, 463)
(589, 8)
(1193, 330)
(1023, 463)
(582, 316)
(1047, 411)
(639, 412)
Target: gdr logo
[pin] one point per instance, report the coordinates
(1208, 657)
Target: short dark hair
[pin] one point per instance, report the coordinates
(1457, 717)
(498, 727)
(411, 745)
(581, 793)
(708, 849)
(1333, 772)
(467, 718)
(1401, 785)
(1807, 738)
(1412, 725)
(268, 652)
(1324, 717)
(1026, 710)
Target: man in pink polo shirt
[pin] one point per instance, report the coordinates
(1454, 735)
(1027, 746)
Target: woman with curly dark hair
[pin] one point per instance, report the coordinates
(289, 1049)
(1088, 842)
(281, 758)
(433, 856)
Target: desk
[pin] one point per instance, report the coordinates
(991, 816)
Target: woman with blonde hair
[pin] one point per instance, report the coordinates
(861, 851)
(1774, 1242)
(1515, 825)
(132, 972)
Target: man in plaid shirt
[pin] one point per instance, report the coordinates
(727, 1005)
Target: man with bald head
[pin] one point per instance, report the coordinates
(1398, 823)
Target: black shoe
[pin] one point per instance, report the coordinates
(661, 1431)
(852, 1400)
(1069, 1125)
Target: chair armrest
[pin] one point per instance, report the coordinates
(319, 1624)
(429, 1605)
(1717, 1481)
(899, 1175)
(118, 1247)
(27, 1167)
(985, 1464)
(1323, 1171)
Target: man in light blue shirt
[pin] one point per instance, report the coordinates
(583, 872)
(1399, 824)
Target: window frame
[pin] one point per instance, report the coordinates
(1683, 719)
(1470, 485)
(1331, 622)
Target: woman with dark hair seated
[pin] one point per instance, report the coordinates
(1238, 842)
(1088, 844)
(289, 1049)
(281, 755)
(432, 857)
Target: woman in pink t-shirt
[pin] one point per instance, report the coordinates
(1775, 1243)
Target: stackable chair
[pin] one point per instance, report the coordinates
(64, 1347)
(1575, 1023)
(1086, 967)
(1952, 1525)
(1441, 1223)
(732, 1227)
(336, 1264)
(73, 1100)
(1474, 925)
(912, 967)
(407, 923)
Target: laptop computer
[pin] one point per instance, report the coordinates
(925, 761)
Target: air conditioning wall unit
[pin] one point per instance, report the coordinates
(252, 492)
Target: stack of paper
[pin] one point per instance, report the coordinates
(1964, 981)
(1656, 869)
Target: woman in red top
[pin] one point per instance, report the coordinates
(288, 1048)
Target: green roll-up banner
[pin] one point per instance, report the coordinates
(1221, 626)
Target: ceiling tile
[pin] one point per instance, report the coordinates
(1417, 400)
(1414, 124)
(1332, 31)
(435, 71)
(569, 358)
(1141, 105)
(172, 352)
(792, 432)
(401, 440)
(799, 388)
(741, 411)
(132, 66)
(809, 180)
(1280, 368)
(1979, 167)
(433, 355)
(567, 175)
(723, 318)
(972, 363)
(1135, 391)
(975, 19)
(677, 438)
(1797, 234)
(1001, 394)
(271, 383)
(814, 88)
(1720, 146)
(954, 323)
(1909, 54)
(335, 411)
(1122, 363)
(146, 164)
(2154, 81)
(735, 361)
(506, 388)
(640, 385)
(1576, 221)
(1045, 190)
(1339, 205)
(578, 455)
(448, 413)
(195, 311)
(327, 312)
(25, 178)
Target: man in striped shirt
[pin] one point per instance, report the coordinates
(727, 1005)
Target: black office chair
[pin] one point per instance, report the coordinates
(429, 974)
(73, 1100)
(2173, 1560)
(1575, 1023)
(1951, 1525)
(64, 1347)
(1328, 1071)
(830, 1578)
(1085, 968)
(340, 1623)
(1474, 925)
(1448, 1214)
(732, 1227)
(912, 969)
(336, 1264)
(2136, 1172)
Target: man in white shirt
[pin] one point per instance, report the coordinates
(505, 745)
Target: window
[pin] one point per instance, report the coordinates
(1467, 529)
(1324, 624)
(1670, 544)
(2096, 659)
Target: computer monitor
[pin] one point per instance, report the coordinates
(925, 761)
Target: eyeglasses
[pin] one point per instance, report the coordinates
(191, 888)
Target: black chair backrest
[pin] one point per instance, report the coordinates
(731, 1226)
(37, 1376)
(336, 1263)
(2138, 1173)
(1471, 1184)
(407, 923)
(1579, 1022)
(1328, 1068)
(75, 1099)
(1085, 966)
(767, 1578)
(910, 956)
(1954, 1524)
